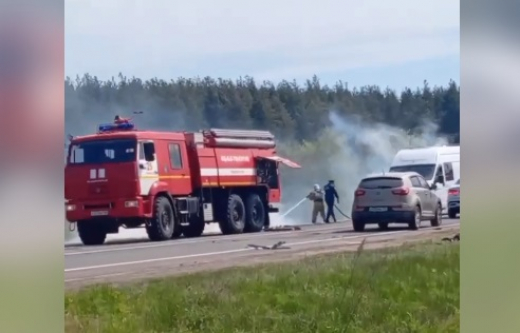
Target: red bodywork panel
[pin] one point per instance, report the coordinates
(118, 188)
(118, 181)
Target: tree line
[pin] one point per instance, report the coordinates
(291, 111)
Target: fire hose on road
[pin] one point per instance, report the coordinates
(339, 210)
(302, 201)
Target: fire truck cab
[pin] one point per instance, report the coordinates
(173, 183)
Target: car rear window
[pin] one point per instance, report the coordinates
(381, 182)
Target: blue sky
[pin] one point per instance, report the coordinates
(394, 43)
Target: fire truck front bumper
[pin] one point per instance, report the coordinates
(120, 208)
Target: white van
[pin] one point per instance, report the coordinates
(439, 165)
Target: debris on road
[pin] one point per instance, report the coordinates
(277, 246)
(283, 228)
(455, 238)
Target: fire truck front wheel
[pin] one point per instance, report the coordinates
(255, 213)
(91, 232)
(234, 221)
(162, 224)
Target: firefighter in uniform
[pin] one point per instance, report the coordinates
(317, 197)
(330, 195)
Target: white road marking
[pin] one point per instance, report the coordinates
(208, 238)
(146, 261)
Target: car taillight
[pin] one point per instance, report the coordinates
(401, 191)
(359, 192)
(454, 192)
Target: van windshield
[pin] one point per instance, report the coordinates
(103, 151)
(425, 170)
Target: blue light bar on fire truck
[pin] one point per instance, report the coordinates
(126, 126)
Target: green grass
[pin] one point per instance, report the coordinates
(409, 289)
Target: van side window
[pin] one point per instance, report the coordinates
(424, 183)
(439, 173)
(175, 156)
(448, 170)
(415, 182)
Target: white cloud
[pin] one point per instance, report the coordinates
(311, 34)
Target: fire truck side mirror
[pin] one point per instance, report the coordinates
(149, 151)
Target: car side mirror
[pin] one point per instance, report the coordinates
(433, 186)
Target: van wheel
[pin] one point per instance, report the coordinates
(255, 214)
(162, 224)
(383, 226)
(437, 220)
(415, 223)
(358, 225)
(234, 221)
(91, 232)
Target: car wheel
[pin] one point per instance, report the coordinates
(358, 225)
(452, 214)
(415, 224)
(383, 225)
(437, 220)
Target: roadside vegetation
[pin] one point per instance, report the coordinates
(413, 288)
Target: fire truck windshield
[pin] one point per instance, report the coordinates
(103, 151)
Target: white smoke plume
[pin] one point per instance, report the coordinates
(346, 152)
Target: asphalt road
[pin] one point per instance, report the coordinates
(125, 262)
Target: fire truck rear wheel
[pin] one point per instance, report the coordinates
(91, 233)
(234, 221)
(255, 213)
(162, 223)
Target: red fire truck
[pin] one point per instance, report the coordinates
(172, 182)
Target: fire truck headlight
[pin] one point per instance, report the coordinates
(131, 204)
(70, 208)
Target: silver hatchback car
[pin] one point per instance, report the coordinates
(395, 197)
